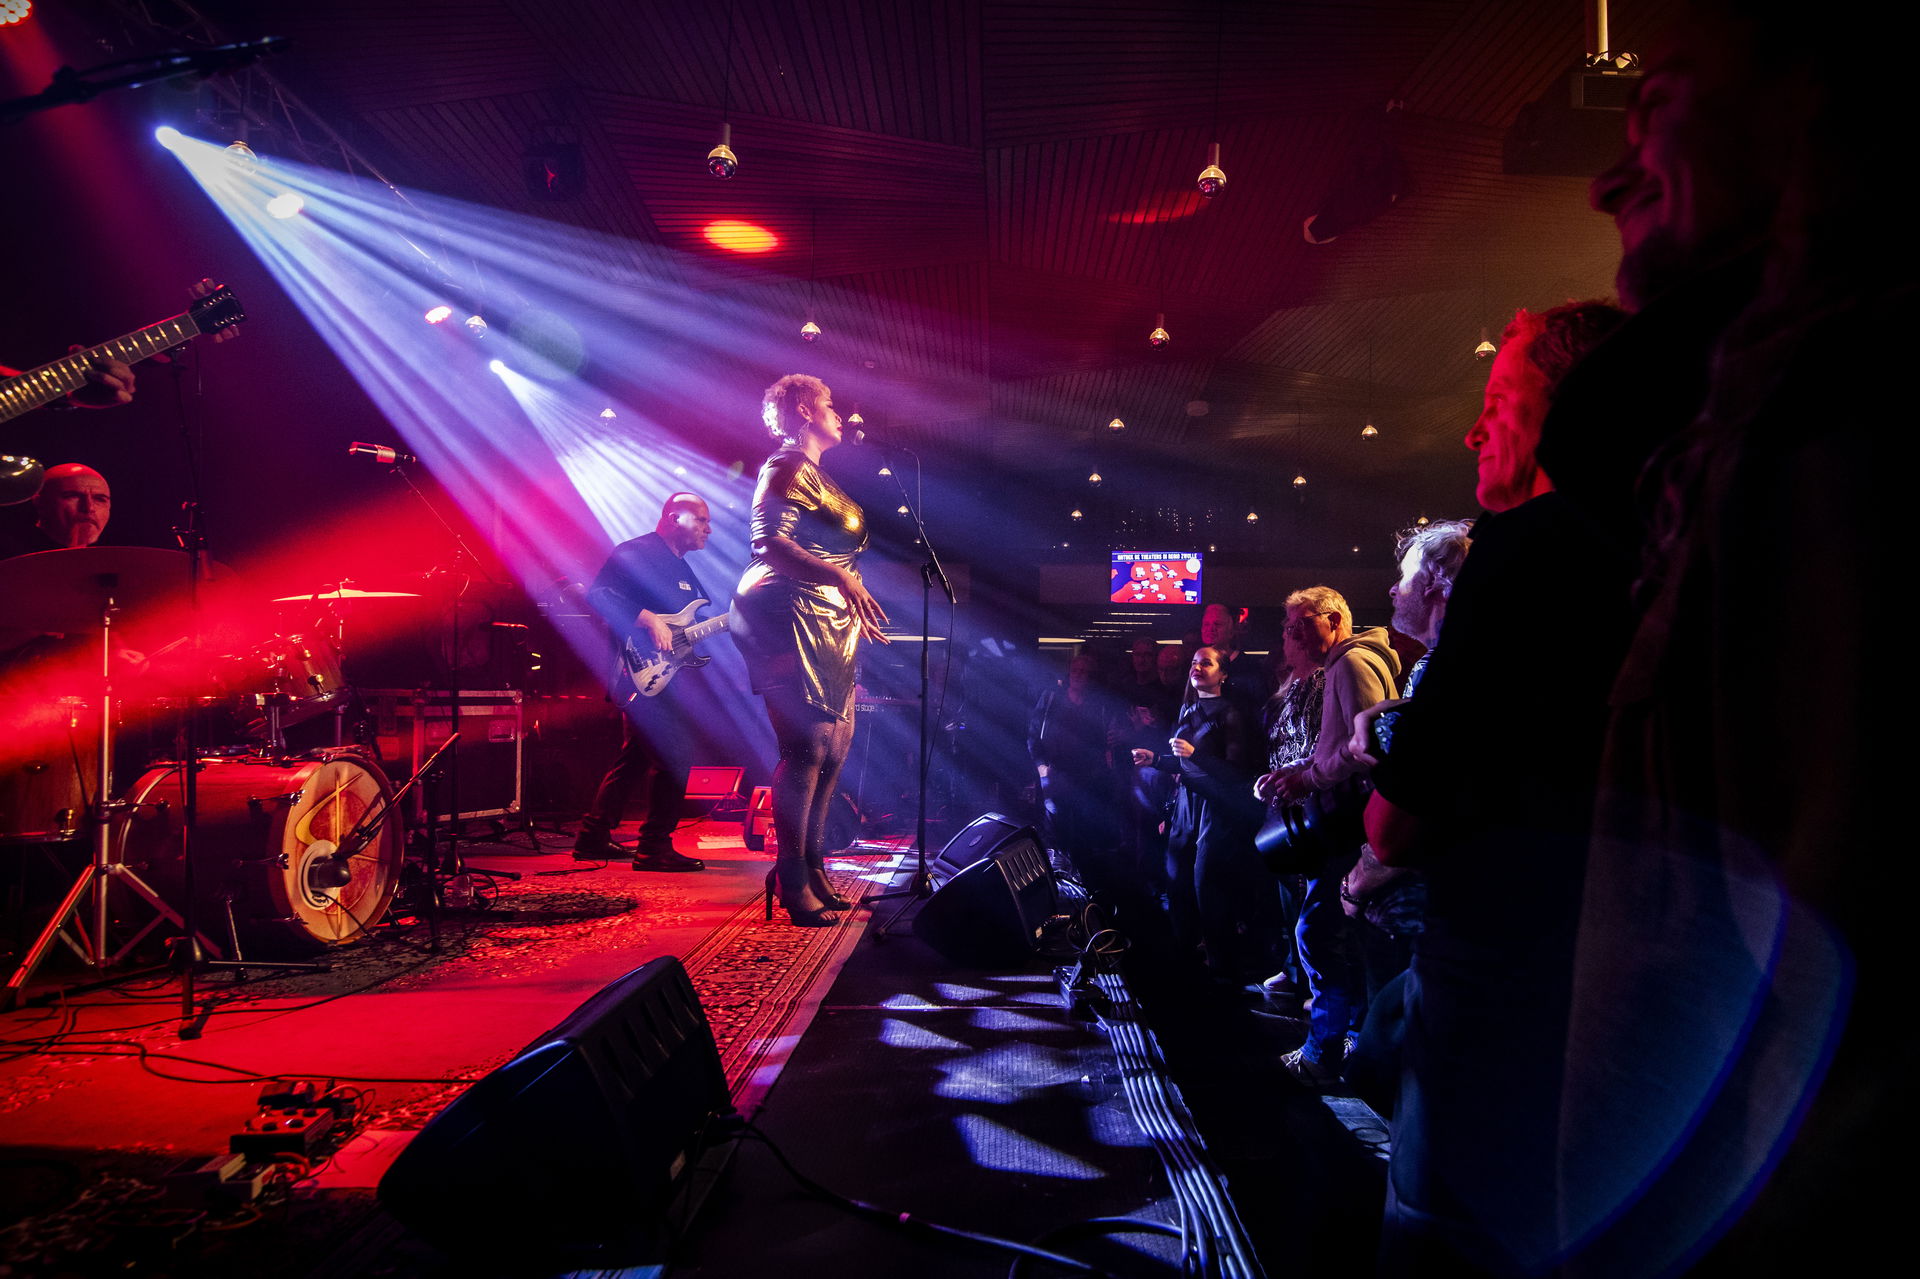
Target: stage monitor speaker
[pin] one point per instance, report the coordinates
(570, 1155)
(989, 914)
(714, 781)
(977, 839)
(759, 818)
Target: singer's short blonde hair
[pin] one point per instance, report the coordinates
(780, 407)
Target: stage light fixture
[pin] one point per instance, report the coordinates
(438, 314)
(497, 367)
(12, 11)
(1093, 478)
(167, 136)
(1116, 426)
(1159, 337)
(809, 331)
(1369, 431)
(1213, 179)
(1299, 481)
(721, 161)
(285, 205)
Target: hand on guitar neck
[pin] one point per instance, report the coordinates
(105, 378)
(662, 643)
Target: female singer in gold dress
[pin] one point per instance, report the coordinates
(800, 613)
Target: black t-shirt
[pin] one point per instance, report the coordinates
(643, 574)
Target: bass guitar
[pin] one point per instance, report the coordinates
(650, 670)
(24, 392)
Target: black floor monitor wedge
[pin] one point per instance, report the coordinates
(572, 1154)
(989, 913)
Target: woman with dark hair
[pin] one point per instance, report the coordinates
(800, 613)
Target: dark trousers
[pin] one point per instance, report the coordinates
(652, 762)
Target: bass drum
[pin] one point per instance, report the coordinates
(269, 833)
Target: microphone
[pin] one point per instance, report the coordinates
(861, 437)
(381, 453)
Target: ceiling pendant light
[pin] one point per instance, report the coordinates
(1253, 517)
(809, 331)
(1369, 431)
(1421, 522)
(721, 161)
(1093, 478)
(885, 470)
(1299, 481)
(1116, 426)
(1076, 514)
(855, 419)
(1159, 337)
(1213, 179)
(1486, 350)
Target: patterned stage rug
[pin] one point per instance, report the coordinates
(761, 983)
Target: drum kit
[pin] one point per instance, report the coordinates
(260, 851)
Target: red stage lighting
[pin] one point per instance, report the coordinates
(12, 11)
(740, 237)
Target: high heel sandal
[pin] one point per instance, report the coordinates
(823, 889)
(824, 917)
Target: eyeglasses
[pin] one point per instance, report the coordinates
(1303, 624)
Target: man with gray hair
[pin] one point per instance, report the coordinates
(1361, 670)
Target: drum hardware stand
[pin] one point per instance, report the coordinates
(104, 868)
(920, 886)
(189, 957)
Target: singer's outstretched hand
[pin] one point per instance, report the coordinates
(866, 609)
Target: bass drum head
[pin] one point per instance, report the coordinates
(268, 835)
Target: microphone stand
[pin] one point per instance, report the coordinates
(921, 885)
(454, 866)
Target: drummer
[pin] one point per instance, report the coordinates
(71, 509)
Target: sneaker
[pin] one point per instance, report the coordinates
(1311, 1073)
(666, 859)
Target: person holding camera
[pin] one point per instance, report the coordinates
(1330, 789)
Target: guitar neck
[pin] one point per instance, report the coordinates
(700, 630)
(64, 376)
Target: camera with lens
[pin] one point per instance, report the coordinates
(1299, 838)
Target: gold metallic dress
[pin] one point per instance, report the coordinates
(800, 635)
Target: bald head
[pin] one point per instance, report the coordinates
(685, 524)
(73, 505)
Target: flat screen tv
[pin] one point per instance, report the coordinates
(1155, 577)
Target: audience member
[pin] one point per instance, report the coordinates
(1071, 737)
(1739, 1046)
(1212, 870)
(1361, 669)
(1220, 629)
(1292, 721)
(1488, 786)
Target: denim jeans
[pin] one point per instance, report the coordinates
(1327, 954)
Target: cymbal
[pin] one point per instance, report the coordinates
(64, 590)
(345, 593)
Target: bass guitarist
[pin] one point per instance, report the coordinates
(644, 583)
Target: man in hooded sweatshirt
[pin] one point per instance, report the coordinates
(1361, 669)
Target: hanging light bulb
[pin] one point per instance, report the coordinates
(901, 509)
(242, 158)
(885, 470)
(1369, 431)
(1093, 477)
(1421, 522)
(1356, 550)
(721, 161)
(607, 414)
(1299, 481)
(1253, 517)
(1116, 426)
(855, 419)
(1213, 179)
(1486, 349)
(809, 331)
(1159, 336)
(1076, 514)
